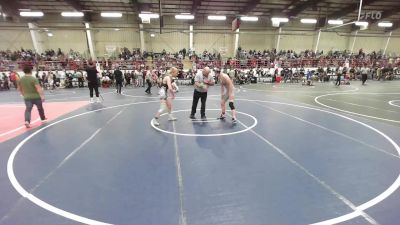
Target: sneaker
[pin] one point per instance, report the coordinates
(27, 124)
(171, 118)
(98, 100)
(234, 120)
(44, 120)
(192, 117)
(91, 100)
(203, 117)
(222, 117)
(155, 122)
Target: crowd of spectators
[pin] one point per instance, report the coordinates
(31, 55)
(307, 54)
(267, 58)
(136, 54)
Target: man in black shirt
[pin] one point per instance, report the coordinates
(184, 52)
(118, 80)
(338, 76)
(286, 74)
(92, 80)
(128, 77)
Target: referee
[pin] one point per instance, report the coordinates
(118, 79)
(202, 81)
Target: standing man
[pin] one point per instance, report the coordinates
(202, 81)
(148, 79)
(140, 78)
(13, 78)
(80, 78)
(118, 79)
(364, 74)
(379, 73)
(93, 83)
(54, 84)
(33, 95)
(227, 94)
(338, 76)
(184, 52)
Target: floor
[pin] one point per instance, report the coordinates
(298, 155)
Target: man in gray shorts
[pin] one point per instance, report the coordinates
(202, 81)
(227, 94)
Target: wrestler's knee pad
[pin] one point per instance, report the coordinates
(231, 105)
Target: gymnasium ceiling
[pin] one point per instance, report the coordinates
(320, 9)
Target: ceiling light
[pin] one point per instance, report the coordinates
(117, 29)
(184, 17)
(335, 22)
(72, 14)
(280, 19)
(152, 35)
(149, 15)
(216, 17)
(385, 24)
(50, 34)
(249, 18)
(311, 21)
(31, 14)
(111, 14)
(361, 23)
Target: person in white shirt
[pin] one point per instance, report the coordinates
(364, 74)
(149, 80)
(140, 78)
(202, 81)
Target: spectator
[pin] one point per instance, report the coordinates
(92, 81)
(33, 95)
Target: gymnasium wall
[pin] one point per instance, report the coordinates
(394, 44)
(15, 39)
(369, 44)
(171, 41)
(257, 40)
(331, 41)
(214, 42)
(110, 38)
(65, 40)
(297, 40)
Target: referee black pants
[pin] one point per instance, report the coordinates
(196, 96)
(364, 78)
(119, 86)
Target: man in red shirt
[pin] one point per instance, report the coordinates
(13, 78)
